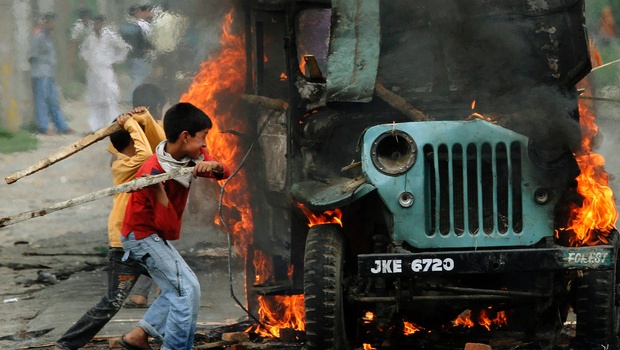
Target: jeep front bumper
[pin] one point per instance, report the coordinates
(487, 261)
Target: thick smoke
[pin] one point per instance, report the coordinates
(519, 64)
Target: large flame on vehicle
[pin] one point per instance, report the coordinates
(223, 76)
(217, 89)
(592, 221)
(596, 217)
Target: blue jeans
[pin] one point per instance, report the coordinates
(179, 300)
(122, 276)
(46, 106)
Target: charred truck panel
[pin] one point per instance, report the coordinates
(444, 133)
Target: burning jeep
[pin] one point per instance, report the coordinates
(432, 146)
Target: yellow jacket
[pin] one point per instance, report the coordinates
(124, 168)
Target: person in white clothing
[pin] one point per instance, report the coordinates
(101, 49)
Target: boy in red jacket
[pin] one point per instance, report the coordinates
(153, 219)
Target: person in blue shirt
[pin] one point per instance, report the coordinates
(42, 58)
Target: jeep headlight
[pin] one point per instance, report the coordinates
(393, 152)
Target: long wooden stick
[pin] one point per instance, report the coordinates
(65, 152)
(604, 65)
(267, 102)
(594, 98)
(399, 103)
(132, 185)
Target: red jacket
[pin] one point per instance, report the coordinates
(145, 215)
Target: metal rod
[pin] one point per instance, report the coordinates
(432, 297)
(486, 291)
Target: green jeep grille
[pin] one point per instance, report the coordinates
(457, 204)
(473, 185)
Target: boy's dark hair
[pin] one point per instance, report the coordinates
(99, 18)
(149, 96)
(120, 139)
(147, 7)
(185, 117)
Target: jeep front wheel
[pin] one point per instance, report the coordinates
(323, 289)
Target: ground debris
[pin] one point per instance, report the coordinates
(22, 335)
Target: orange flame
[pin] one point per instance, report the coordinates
(368, 317)
(302, 65)
(591, 222)
(473, 104)
(486, 322)
(410, 328)
(368, 347)
(277, 312)
(464, 319)
(223, 76)
(328, 216)
(480, 116)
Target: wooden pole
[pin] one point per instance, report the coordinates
(604, 65)
(399, 103)
(267, 102)
(132, 186)
(64, 152)
(594, 98)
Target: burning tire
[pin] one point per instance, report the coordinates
(596, 307)
(323, 289)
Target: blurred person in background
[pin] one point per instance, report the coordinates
(42, 58)
(79, 31)
(101, 49)
(135, 31)
(168, 29)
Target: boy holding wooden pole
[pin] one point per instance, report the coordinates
(153, 219)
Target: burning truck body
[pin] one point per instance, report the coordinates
(433, 148)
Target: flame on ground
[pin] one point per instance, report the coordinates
(410, 328)
(368, 317)
(465, 319)
(280, 312)
(276, 312)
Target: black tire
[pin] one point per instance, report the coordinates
(323, 289)
(596, 309)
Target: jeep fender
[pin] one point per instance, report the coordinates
(338, 192)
